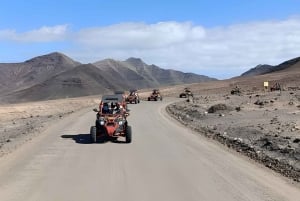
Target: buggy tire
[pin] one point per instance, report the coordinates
(128, 136)
(148, 99)
(93, 134)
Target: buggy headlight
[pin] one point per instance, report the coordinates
(101, 122)
(120, 123)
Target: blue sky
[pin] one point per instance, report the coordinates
(216, 38)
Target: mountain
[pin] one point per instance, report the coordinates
(18, 76)
(56, 76)
(290, 65)
(135, 73)
(258, 70)
(82, 80)
(162, 76)
(121, 76)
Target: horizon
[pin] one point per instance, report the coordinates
(220, 41)
(134, 58)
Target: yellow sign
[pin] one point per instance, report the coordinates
(266, 84)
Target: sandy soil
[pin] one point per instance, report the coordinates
(165, 161)
(264, 126)
(21, 122)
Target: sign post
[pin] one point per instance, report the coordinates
(266, 86)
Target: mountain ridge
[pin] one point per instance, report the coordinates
(17, 76)
(289, 65)
(56, 75)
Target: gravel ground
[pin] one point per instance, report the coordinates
(20, 123)
(264, 126)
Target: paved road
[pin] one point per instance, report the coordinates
(164, 162)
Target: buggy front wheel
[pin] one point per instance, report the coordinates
(128, 134)
(93, 134)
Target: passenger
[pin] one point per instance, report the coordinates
(117, 108)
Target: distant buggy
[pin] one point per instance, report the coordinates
(133, 97)
(155, 95)
(186, 93)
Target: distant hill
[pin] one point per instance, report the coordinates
(135, 73)
(258, 70)
(17, 76)
(56, 76)
(83, 80)
(290, 65)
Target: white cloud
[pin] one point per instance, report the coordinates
(220, 51)
(188, 47)
(43, 34)
(139, 35)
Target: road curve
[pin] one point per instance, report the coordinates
(164, 162)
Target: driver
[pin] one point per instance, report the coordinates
(105, 108)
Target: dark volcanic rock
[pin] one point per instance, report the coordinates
(219, 107)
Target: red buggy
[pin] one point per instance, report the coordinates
(111, 120)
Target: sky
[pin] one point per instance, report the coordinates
(220, 39)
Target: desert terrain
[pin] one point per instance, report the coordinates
(258, 123)
(263, 125)
(165, 161)
(20, 123)
(214, 146)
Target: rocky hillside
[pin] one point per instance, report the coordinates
(56, 76)
(18, 76)
(83, 80)
(258, 70)
(135, 73)
(290, 65)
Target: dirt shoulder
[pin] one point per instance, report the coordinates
(263, 126)
(20, 123)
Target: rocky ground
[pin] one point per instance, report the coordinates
(21, 122)
(264, 126)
